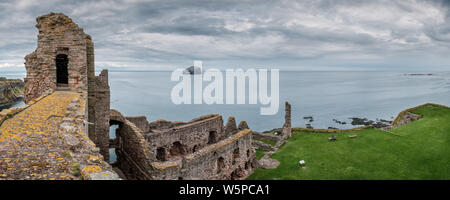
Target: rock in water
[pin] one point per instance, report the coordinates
(193, 70)
(309, 118)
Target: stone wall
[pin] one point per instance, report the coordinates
(58, 34)
(266, 136)
(133, 156)
(286, 132)
(99, 110)
(232, 158)
(175, 150)
(92, 164)
(187, 138)
(261, 145)
(230, 127)
(140, 122)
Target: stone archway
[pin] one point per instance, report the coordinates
(62, 72)
(113, 137)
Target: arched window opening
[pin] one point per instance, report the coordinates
(114, 133)
(114, 129)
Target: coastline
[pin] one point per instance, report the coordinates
(11, 103)
(11, 92)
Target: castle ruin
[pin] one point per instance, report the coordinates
(199, 149)
(64, 60)
(202, 148)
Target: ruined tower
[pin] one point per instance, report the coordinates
(287, 128)
(64, 60)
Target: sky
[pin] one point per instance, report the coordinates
(312, 35)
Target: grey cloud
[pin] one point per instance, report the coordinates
(289, 33)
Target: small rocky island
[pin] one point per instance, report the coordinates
(10, 91)
(193, 70)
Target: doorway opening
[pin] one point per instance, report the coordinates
(62, 72)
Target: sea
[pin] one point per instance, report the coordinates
(326, 96)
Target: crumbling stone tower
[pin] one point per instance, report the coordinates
(64, 60)
(287, 128)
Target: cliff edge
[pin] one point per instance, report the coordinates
(10, 91)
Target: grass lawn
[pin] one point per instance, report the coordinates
(260, 153)
(422, 151)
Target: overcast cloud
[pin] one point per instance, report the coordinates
(297, 35)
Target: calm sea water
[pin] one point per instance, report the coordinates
(323, 95)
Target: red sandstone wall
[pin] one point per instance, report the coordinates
(58, 34)
(191, 136)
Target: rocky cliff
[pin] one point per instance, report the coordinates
(10, 91)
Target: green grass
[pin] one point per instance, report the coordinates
(421, 151)
(76, 169)
(269, 142)
(260, 153)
